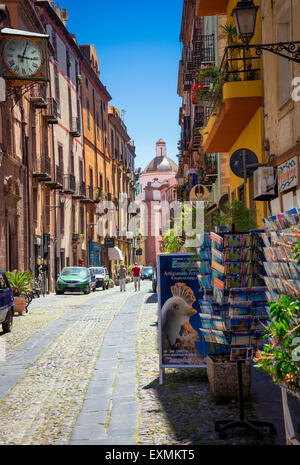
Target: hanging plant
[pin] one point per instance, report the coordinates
(79, 79)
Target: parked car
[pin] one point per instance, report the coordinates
(93, 279)
(102, 276)
(147, 272)
(154, 280)
(74, 278)
(6, 304)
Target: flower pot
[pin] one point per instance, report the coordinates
(222, 377)
(20, 304)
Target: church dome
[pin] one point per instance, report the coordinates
(161, 164)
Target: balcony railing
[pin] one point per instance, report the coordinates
(42, 168)
(38, 96)
(80, 190)
(75, 127)
(203, 49)
(91, 193)
(59, 177)
(69, 183)
(237, 65)
(51, 111)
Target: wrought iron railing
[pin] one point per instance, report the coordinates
(237, 65)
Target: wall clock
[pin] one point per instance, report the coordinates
(24, 56)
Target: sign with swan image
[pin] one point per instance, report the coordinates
(181, 341)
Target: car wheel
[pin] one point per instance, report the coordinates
(107, 286)
(7, 326)
(88, 290)
(94, 288)
(59, 292)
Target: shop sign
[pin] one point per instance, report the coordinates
(180, 339)
(288, 174)
(109, 242)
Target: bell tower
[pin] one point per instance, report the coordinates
(161, 148)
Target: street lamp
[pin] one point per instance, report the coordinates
(244, 16)
(180, 178)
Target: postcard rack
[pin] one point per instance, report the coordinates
(282, 272)
(237, 270)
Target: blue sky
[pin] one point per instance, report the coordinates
(139, 51)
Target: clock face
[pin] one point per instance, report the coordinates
(23, 57)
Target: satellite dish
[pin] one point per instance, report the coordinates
(237, 162)
(223, 202)
(199, 193)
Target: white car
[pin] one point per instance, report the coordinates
(102, 276)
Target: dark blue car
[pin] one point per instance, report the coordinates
(6, 304)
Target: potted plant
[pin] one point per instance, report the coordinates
(111, 283)
(21, 284)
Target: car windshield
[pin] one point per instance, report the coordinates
(98, 270)
(148, 268)
(74, 270)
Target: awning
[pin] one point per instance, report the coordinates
(114, 253)
(6, 31)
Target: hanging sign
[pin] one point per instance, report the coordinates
(288, 174)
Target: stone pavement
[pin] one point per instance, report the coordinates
(110, 409)
(43, 381)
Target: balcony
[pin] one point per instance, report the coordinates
(51, 111)
(203, 49)
(59, 177)
(187, 81)
(38, 96)
(236, 103)
(210, 168)
(75, 130)
(212, 7)
(80, 191)
(42, 168)
(69, 183)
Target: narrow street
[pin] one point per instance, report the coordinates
(70, 370)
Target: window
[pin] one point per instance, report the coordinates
(86, 83)
(101, 182)
(71, 163)
(91, 177)
(68, 62)
(98, 129)
(62, 218)
(3, 282)
(88, 114)
(35, 203)
(54, 43)
(284, 65)
(56, 84)
(112, 142)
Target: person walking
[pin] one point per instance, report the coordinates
(122, 278)
(136, 274)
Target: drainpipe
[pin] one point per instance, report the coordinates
(26, 163)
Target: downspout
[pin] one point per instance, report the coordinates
(26, 163)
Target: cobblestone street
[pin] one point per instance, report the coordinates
(83, 369)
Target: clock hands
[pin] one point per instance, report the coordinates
(26, 58)
(25, 50)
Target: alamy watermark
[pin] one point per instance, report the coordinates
(153, 218)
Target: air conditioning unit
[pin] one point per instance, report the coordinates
(264, 183)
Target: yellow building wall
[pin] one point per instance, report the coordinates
(251, 138)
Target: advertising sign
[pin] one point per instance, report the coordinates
(109, 242)
(288, 174)
(181, 341)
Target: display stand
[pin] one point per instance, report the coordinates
(250, 425)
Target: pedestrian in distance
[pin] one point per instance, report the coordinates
(122, 278)
(136, 274)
